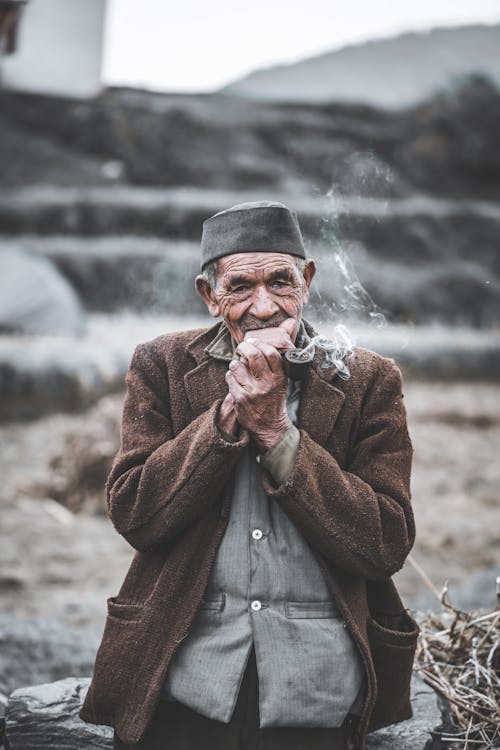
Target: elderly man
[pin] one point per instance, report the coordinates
(268, 513)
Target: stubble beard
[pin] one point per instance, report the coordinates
(249, 323)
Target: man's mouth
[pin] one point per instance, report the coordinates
(253, 324)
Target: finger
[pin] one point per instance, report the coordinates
(254, 359)
(238, 393)
(272, 356)
(236, 366)
(276, 337)
(240, 373)
(290, 325)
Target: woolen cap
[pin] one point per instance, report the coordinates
(252, 227)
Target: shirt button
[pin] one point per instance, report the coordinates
(257, 534)
(256, 605)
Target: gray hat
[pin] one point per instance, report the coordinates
(253, 227)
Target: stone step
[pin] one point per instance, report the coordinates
(116, 273)
(152, 275)
(41, 375)
(45, 374)
(416, 228)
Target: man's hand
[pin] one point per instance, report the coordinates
(257, 385)
(228, 421)
(281, 337)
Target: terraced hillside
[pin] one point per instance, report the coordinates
(400, 209)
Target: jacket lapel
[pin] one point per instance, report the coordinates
(205, 383)
(320, 401)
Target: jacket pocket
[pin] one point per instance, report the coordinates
(393, 640)
(118, 659)
(311, 609)
(121, 610)
(214, 602)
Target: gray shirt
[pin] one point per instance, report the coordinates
(267, 588)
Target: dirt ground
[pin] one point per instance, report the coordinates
(61, 564)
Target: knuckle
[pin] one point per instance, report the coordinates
(245, 348)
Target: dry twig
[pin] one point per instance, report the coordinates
(458, 654)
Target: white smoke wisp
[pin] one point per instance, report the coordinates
(362, 184)
(334, 349)
(356, 298)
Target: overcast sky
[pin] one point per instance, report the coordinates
(190, 45)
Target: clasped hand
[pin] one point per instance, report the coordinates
(257, 386)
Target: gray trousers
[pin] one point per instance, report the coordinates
(177, 727)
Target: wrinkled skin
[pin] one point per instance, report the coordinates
(261, 297)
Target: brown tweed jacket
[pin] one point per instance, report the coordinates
(169, 491)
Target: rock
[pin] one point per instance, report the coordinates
(34, 651)
(46, 716)
(35, 298)
(414, 733)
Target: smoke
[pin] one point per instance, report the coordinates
(334, 350)
(362, 174)
(359, 177)
(356, 298)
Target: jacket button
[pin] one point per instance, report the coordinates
(257, 534)
(256, 605)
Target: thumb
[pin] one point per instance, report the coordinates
(290, 326)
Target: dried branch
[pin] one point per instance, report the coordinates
(458, 654)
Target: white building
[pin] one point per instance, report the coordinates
(58, 48)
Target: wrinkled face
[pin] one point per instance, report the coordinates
(257, 290)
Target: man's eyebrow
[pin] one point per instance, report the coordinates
(237, 280)
(281, 273)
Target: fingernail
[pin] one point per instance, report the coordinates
(252, 341)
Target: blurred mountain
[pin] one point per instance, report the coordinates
(392, 72)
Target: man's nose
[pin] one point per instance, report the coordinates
(263, 305)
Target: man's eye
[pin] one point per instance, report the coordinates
(239, 288)
(279, 284)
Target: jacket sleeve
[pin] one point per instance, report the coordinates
(160, 483)
(360, 519)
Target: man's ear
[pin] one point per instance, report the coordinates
(207, 293)
(308, 274)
